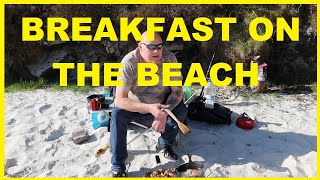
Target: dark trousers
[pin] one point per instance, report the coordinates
(118, 138)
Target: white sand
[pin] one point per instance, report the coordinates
(39, 124)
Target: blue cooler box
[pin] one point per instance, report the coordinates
(100, 118)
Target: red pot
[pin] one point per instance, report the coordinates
(245, 122)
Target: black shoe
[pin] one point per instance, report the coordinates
(119, 174)
(159, 148)
(167, 152)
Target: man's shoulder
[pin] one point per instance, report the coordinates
(166, 52)
(131, 57)
(169, 56)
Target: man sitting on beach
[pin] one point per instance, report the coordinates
(140, 102)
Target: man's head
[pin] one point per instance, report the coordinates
(151, 51)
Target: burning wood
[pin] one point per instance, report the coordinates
(172, 172)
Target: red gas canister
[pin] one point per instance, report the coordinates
(245, 122)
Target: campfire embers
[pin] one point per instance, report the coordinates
(172, 172)
(190, 169)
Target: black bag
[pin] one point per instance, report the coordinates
(218, 115)
(197, 111)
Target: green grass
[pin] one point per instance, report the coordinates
(27, 86)
(43, 84)
(276, 95)
(251, 95)
(72, 87)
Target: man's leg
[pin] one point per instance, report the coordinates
(172, 129)
(118, 137)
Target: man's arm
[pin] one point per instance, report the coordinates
(175, 97)
(122, 101)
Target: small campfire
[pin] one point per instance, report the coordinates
(190, 169)
(172, 172)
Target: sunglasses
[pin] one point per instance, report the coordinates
(153, 46)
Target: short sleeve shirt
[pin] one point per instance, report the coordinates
(146, 94)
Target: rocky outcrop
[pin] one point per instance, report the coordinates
(39, 69)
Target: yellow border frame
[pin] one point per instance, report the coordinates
(2, 49)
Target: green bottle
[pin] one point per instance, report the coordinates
(187, 91)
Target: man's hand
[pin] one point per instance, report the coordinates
(156, 109)
(160, 117)
(159, 122)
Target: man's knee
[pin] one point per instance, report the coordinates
(119, 116)
(181, 111)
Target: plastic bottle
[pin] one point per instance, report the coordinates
(262, 72)
(210, 94)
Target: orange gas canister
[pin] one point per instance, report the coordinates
(245, 122)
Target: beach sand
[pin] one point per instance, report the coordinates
(39, 125)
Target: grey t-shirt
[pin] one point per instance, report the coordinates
(145, 94)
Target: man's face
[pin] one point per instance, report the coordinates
(151, 51)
